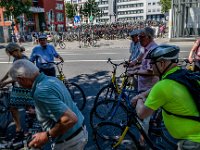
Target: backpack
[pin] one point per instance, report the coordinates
(192, 81)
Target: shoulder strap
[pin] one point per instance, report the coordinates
(195, 118)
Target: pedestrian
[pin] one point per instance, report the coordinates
(194, 55)
(61, 120)
(19, 97)
(44, 53)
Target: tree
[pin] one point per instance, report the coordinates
(16, 7)
(166, 5)
(71, 10)
(90, 8)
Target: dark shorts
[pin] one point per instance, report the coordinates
(197, 65)
(49, 72)
(21, 97)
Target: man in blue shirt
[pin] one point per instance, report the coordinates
(135, 48)
(43, 54)
(59, 116)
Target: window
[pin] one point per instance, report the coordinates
(154, 3)
(149, 3)
(59, 6)
(60, 17)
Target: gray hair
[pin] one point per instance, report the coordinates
(12, 47)
(23, 68)
(149, 32)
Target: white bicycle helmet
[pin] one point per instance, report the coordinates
(164, 52)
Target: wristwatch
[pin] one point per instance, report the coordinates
(50, 138)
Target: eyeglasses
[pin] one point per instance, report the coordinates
(42, 39)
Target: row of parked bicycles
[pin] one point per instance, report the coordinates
(115, 122)
(89, 34)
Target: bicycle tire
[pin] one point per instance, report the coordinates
(103, 110)
(106, 134)
(106, 92)
(62, 45)
(77, 94)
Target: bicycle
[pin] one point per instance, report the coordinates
(125, 137)
(113, 88)
(7, 129)
(111, 109)
(59, 42)
(75, 90)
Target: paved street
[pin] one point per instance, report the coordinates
(88, 67)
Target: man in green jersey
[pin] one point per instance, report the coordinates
(172, 97)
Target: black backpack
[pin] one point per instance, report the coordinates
(192, 81)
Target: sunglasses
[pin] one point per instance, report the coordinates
(42, 39)
(142, 36)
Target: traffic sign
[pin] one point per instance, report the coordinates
(77, 19)
(91, 18)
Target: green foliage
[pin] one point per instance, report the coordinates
(16, 7)
(71, 10)
(90, 8)
(166, 5)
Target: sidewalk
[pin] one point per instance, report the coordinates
(101, 44)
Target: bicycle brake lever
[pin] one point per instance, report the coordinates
(109, 59)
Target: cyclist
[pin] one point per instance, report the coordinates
(172, 97)
(45, 53)
(60, 118)
(16, 100)
(195, 55)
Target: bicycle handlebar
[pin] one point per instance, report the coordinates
(116, 65)
(55, 63)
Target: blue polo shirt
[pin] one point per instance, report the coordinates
(52, 99)
(43, 55)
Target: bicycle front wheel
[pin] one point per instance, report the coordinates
(108, 110)
(62, 45)
(77, 94)
(107, 134)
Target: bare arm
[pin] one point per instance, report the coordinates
(142, 110)
(59, 57)
(194, 48)
(67, 121)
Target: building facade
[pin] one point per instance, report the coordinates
(126, 10)
(45, 15)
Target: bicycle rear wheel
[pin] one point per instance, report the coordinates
(106, 134)
(108, 110)
(62, 45)
(77, 94)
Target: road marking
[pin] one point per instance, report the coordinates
(106, 53)
(4, 62)
(116, 60)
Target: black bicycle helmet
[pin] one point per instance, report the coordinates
(164, 52)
